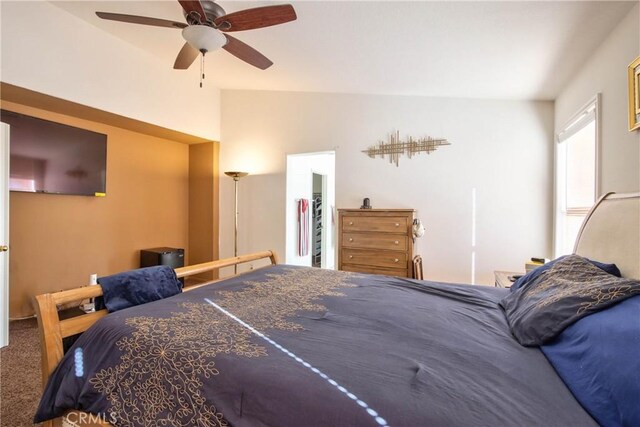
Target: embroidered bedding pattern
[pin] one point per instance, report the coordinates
(593, 290)
(165, 360)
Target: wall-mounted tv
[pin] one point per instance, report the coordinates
(48, 157)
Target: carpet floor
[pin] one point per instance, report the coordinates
(20, 382)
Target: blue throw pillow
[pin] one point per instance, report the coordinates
(570, 290)
(533, 274)
(135, 287)
(597, 358)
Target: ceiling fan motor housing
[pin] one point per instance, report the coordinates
(211, 9)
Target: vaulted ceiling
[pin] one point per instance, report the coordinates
(477, 49)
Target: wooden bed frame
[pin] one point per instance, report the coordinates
(609, 234)
(53, 330)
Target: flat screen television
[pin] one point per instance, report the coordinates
(49, 157)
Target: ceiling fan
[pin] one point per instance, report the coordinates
(207, 25)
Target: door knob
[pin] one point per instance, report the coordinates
(4, 248)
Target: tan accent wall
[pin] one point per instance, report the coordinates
(58, 241)
(203, 204)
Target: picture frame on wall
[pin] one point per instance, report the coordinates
(634, 95)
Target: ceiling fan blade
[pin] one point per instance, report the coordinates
(258, 17)
(194, 6)
(185, 58)
(246, 53)
(144, 20)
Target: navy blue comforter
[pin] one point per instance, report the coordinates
(292, 346)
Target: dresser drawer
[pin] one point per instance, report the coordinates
(380, 224)
(389, 259)
(399, 272)
(374, 241)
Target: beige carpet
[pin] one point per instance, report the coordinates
(20, 383)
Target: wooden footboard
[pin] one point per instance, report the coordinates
(53, 330)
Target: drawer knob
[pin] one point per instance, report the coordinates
(350, 256)
(396, 242)
(397, 224)
(350, 222)
(351, 239)
(396, 260)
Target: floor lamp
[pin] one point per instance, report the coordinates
(236, 176)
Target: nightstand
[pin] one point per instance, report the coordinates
(502, 278)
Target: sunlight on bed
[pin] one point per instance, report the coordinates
(473, 236)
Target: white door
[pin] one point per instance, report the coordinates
(4, 234)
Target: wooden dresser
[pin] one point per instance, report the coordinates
(376, 241)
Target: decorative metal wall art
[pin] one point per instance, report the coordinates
(395, 147)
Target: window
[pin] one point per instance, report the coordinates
(576, 175)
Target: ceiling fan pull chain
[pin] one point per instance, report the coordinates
(201, 69)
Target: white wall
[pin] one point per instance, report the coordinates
(502, 149)
(299, 176)
(606, 73)
(48, 50)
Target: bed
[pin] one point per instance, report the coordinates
(297, 346)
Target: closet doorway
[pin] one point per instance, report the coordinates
(310, 209)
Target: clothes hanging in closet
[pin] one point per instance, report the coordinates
(303, 227)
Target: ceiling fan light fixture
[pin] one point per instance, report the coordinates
(204, 38)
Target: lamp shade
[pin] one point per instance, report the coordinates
(236, 175)
(204, 38)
